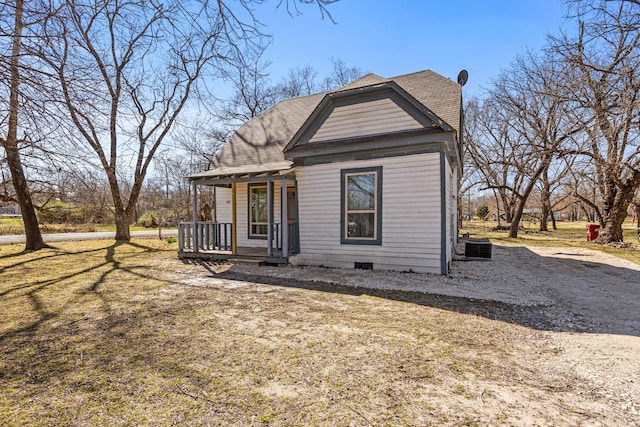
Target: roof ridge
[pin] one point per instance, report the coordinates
(365, 76)
(426, 70)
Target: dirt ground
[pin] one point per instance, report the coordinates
(102, 334)
(583, 304)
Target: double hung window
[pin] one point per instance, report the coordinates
(258, 211)
(361, 196)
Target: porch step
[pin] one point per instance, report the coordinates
(246, 260)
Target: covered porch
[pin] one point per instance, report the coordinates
(250, 228)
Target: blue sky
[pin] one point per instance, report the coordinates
(393, 37)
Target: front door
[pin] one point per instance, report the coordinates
(292, 220)
(292, 205)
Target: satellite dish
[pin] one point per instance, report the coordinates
(463, 76)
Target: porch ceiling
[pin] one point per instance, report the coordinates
(242, 176)
(222, 172)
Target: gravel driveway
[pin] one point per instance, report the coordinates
(585, 301)
(560, 289)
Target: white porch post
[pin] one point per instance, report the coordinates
(234, 222)
(215, 205)
(194, 208)
(285, 219)
(269, 218)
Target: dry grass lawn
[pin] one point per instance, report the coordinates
(104, 334)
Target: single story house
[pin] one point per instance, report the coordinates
(365, 176)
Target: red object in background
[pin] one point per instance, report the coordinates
(592, 231)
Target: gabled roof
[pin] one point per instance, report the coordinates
(380, 108)
(258, 145)
(438, 93)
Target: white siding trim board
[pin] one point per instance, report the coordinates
(393, 145)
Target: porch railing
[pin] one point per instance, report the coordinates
(217, 236)
(212, 236)
(294, 239)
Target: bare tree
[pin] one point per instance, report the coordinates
(253, 94)
(303, 81)
(300, 81)
(252, 91)
(127, 71)
(87, 190)
(605, 56)
(200, 140)
(552, 181)
(11, 142)
(528, 95)
(341, 75)
(491, 146)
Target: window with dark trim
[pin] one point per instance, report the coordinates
(361, 211)
(258, 211)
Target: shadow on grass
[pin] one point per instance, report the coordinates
(18, 254)
(110, 265)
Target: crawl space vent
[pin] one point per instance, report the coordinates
(363, 265)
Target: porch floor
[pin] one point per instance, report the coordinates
(243, 254)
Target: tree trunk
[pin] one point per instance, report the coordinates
(31, 229)
(616, 200)
(612, 229)
(616, 212)
(122, 219)
(544, 217)
(497, 207)
(508, 207)
(515, 221)
(513, 229)
(545, 202)
(33, 237)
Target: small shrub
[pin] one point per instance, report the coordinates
(482, 212)
(148, 219)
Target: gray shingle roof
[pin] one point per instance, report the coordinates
(257, 145)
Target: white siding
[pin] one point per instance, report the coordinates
(366, 118)
(223, 204)
(411, 216)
